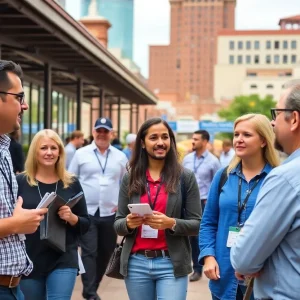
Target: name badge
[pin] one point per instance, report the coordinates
(232, 236)
(149, 233)
(22, 237)
(103, 181)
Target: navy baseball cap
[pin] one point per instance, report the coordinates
(103, 123)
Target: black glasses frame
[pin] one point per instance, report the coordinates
(21, 96)
(274, 111)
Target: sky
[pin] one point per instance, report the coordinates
(152, 21)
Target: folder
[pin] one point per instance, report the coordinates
(53, 228)
(74, 200)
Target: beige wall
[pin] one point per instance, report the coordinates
(224, 50)
(233, 79)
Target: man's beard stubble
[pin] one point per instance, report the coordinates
(278, 146)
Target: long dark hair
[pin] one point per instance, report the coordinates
(139, 162)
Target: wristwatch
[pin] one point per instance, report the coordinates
(173, 227)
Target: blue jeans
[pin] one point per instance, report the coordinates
(153, 278)
(239, 295)
(58, 285)
(11, 294)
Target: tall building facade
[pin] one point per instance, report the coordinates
(120, 14)
(257, 61)
(184, 70)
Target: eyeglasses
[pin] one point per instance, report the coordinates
(20, 96)
(276, 111)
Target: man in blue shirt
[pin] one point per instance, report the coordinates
(268, 247)
(204, 165)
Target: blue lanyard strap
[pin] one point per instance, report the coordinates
(102, 168)
(241, 206)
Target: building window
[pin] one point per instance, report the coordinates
(252, 74)
(285, 59)
(268, 44)
(240, 45)
(276, 44)
(240, 59)
(256, 59)
(231, 45)
(256, 45)
(248, 59)
(276, 59)
(294, 59)
(178, 64)
(285, 45)
(248, 45)
(270, 86)
(268, 59)
(294, 45)
(253, 86)
(231, 59)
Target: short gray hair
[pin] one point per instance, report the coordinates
(291, 83)
(293, 98)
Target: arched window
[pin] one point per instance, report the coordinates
(253, 86)
(270, 86)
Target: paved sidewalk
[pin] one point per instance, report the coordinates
(114, 289)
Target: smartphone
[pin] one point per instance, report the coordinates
(140, 208)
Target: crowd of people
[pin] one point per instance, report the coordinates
(251, 213)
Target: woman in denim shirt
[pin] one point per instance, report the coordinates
(255, 156)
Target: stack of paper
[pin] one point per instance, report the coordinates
(46, 200)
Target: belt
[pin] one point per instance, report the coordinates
(154, 253)
(10, 281)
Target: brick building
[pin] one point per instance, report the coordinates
(183, 72)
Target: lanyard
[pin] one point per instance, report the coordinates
(152, 204)
(9, 183)
(200, 163)
(243, 206)
(103, 169)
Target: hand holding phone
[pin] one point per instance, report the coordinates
(140, 209)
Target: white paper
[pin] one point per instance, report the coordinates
(148, 232)
(80, 265)
(47, 200)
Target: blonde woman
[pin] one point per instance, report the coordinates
(54, 273)
(225, 213)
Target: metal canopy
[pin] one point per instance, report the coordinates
(38, 32)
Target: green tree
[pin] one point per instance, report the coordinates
(247, 104)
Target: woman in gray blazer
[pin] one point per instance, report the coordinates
(156, 257)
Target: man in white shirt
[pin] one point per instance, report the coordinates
(100, 168)
(227, 153)
(76, 141)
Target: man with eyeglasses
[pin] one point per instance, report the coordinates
(269, 244)
(15, 221)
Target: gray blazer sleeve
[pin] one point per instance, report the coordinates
(191, 222)
(122, 212)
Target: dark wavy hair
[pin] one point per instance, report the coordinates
(139, 162)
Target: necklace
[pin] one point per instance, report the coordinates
(40, 190)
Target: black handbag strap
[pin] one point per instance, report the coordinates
(123, 240)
